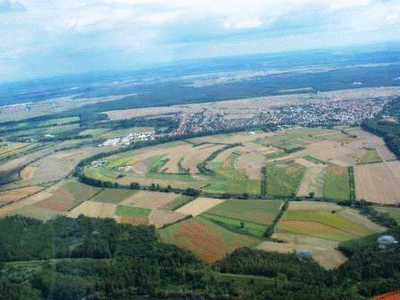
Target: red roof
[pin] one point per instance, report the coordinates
(388, 296)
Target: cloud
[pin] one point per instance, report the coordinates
(129, 33)
(11, 7)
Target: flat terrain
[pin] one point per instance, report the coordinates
(198, 206)
(325, 221)
(209, 241)
(377, 183)
(17, 194)
(150, 200)
(299, 161)
(94, 209)
(256, 211)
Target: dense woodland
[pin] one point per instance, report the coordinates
(388, 130)
(99, 259)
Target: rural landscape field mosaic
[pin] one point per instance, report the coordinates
(276, 191)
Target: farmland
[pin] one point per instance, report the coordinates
(297, 161)
(257, 211)
(329, 221)
(203, 237)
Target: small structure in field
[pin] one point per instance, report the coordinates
(304, 254)
(386, 242)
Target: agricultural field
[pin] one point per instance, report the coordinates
(94, 209)
(113, 196)
(151, 200)
(177, 202)
(36, 212)
(377, 183)
(198, 206)
(298, 161)
(327, 257)
(9, 147)
(336, 183)
(67, 196)
(17, 194)
(206, 239)
(329, 221)
(393, 212)
(256, 211)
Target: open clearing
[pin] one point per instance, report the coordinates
(257, 211)
(207, 240)
(94, 210)
(328, 258)
(151, 200)
(199, 206)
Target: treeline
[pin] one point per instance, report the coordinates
(94, 259)
(389, 131)
(87, 258)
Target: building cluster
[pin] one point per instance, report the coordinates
(324, 113)
(131, 138)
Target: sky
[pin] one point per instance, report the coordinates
(41, 38)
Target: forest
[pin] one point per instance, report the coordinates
(95, 258)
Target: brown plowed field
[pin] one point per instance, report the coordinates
(150, 199)
(376, 183)
(133, 220)
(198, 206)
(17, 194)
(94, 210)
(160, 218)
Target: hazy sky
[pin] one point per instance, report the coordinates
(45, 37)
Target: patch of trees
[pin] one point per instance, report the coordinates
(99, 259)
(389, 131)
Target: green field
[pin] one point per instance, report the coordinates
(178, 202)
(284, 179)
(205, 238)
(80, 191)
(155, 163)
(322, 224)
(229, 180)
(367, 156)
(337, 183)
(237, 225)
(114, 196)
(257, 211)
(95, 132)
(130, 211)
(393, 212)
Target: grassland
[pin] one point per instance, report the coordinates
(257, 211)
(130, 211)
(322, 224)
(337, 183)
(206, 239)
(393, 212)
(114, 196)
(155, 163)
(367, 156)
(284, 179)
(237, 225)
(178, 202)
